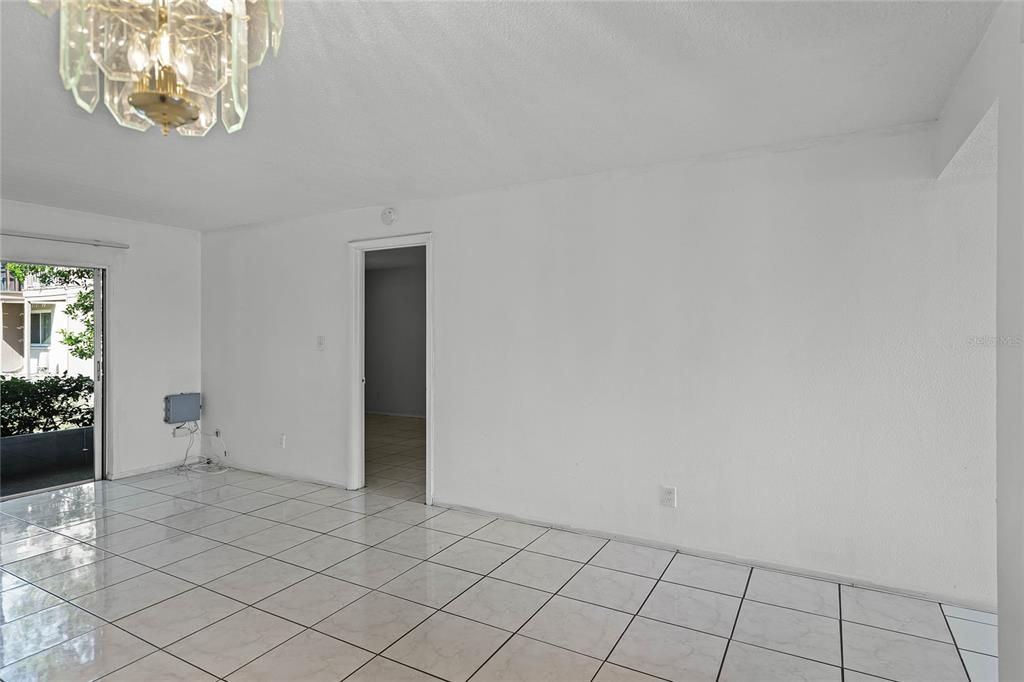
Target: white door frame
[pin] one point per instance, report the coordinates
(356, 470)
(101, 460)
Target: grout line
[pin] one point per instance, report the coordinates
(366, 663)
(968, 620)
(943, 605)
(84, 632)
(736, 620)
(172, 643)
(842, 653)
(952, 637)
(905, 634)
(783, 653)
(533, 615)
(276, 646)
(306, 627)
(637, 614)
(813, 613)
(159, 650)
(979, 653)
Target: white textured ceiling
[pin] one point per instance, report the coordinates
(373, 102)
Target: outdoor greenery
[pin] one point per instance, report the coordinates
(50, 403)
(80, 344)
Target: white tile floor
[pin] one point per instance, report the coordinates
(241, 576)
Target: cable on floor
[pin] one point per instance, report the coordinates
(203, 464)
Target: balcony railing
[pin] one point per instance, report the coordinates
(9, 282)
(42, 460)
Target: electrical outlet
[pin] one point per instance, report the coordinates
(179, 432)
(667, 496)
(321, 343)
(284, 440)
(217, 433)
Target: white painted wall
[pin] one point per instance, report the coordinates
(995, 77)
(786, 337)
(153, 335)
(396, 341)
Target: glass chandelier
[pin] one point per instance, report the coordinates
(164, 62)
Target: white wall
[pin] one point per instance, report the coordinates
(396, 342)
(995, 77)
(785, 337)
(153, 335)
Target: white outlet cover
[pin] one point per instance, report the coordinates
(667, 496)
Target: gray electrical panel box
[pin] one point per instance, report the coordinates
(181, 408)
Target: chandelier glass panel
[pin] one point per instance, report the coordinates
(165, 62)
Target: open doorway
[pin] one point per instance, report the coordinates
(50, 376)
(391, 402)
(395, 353)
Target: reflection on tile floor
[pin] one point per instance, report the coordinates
(242, 576)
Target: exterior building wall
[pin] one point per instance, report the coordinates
(12, 349)
(55, 357)
(51, 358)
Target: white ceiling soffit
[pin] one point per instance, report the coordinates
(372, 102)
(978, 156)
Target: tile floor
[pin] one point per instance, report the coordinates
(241, 576)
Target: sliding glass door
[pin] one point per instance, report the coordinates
(51, 376)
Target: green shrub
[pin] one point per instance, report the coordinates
(51, 403)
